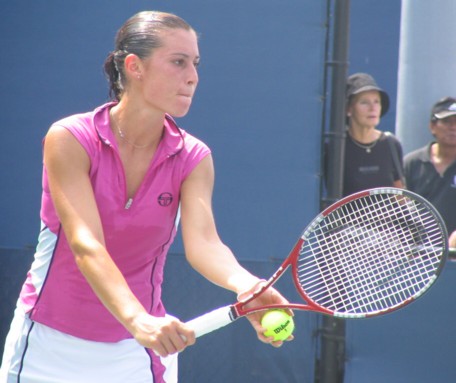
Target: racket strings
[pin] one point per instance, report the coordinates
(370, 255)
(392, 267)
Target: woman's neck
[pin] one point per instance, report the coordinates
(363, 134)
(136, 126)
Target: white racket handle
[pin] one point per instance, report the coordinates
(211, 321)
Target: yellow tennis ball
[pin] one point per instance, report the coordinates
(278, 323)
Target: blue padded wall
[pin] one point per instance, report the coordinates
(414, 344)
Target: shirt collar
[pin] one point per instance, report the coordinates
(173, 137)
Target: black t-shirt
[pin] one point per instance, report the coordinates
(423, 179)
(370, 166)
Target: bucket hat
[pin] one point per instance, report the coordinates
(363, 82)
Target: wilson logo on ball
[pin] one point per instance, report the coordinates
(282, 327)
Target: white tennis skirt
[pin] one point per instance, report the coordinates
(35, 353)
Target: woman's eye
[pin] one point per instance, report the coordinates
(184, 63)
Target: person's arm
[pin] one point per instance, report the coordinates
(399, 184)
(452, 240)
(67, 165)
(398, 159)
(204, 249)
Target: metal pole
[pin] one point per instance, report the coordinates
(336, 135)
(332, 358)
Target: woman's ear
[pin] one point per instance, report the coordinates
(347, 110)
(133, 66)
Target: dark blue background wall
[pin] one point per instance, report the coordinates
(374, 47)
(258, 106)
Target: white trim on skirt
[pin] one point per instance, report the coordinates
(40, 354)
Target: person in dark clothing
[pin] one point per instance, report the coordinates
(431, 170)
(373, 158)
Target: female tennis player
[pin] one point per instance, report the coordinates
(115, 181)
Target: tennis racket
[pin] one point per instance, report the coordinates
(366, 255)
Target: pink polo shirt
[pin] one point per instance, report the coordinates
(138, 232)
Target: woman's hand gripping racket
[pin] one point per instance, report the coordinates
(368, 254)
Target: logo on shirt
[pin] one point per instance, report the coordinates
(365, 170)
(165, 199)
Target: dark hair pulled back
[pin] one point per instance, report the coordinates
(140, 35)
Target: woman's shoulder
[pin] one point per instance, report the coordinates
(87, 127)
(84, 121)
(186, 142)
(390, 138)
(94, 123)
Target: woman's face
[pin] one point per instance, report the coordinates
(365, 109)
(169, 76)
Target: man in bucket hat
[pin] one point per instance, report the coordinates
(431, 170)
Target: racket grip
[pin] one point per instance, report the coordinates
(211, 321)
